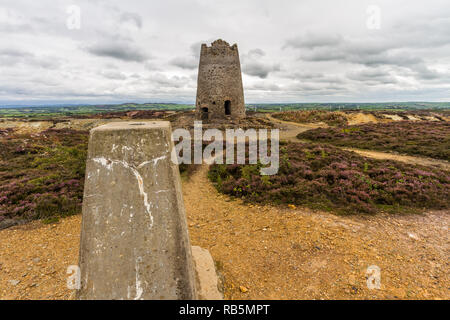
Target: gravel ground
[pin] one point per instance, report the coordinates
(262, 252)
(296, 253)
(34, 259)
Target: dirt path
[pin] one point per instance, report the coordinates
(290, 130)
(275, 253)
(403, 158)
(34, 259)
(299, 254)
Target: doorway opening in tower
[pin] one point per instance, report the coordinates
(228, 107)
(204, 113)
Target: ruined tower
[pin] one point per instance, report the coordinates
(220, 94)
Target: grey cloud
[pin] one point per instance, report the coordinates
(14, 22)
(315, 77)
(423, 33)
(401, 59)
(421, 71)
(311, 40)
(336, 58)
(254, 64)
(132, 17)
(372, 76)
(315, 89)
(152, 66)
(263, 86)
(189, 62)
(16, 28)
(323, 55)
(303, 75)
(15, 53)
(10, 57)
(259, 69)
(118, 50)
(256, 53)
(360, 52)
(196, 47)
(373, 53)
(115, 75)
(162, 80)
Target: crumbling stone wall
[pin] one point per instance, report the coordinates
(220, 94)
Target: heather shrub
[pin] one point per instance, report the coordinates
(424, 138)
(331, 118)
(42, 175)
(326, 177)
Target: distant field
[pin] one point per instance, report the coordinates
(49, 112)
(425, 138)
(41, 112)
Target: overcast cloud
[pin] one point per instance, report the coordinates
(291, 51)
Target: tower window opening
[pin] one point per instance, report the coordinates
(227, 107)
(204, 113)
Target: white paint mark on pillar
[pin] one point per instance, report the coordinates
(139, 289)
(154, 161)
(108, 164)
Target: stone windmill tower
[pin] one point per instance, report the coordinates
(220, 94)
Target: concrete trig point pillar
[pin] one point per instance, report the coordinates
(134, 239)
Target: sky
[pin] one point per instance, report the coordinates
(80, 51)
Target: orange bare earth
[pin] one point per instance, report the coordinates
(272, 252)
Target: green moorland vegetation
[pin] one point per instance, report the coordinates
(41, 174)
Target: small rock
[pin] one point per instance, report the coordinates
(243, 289)
(7, 223)
(412, 236)
(36, 260)
(14, 282)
